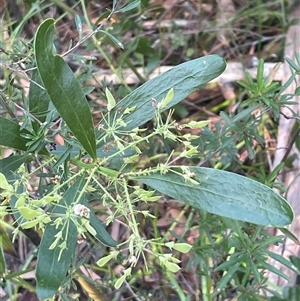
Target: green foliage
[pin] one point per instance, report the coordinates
(103, 162)
(218, 192)
(63, 89)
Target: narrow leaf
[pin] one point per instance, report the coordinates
(111, 102)
(114, 39)
(260, 75)
(38, 100)
(283, 261)
(274, 270)
(226, 194)
(167, 99)
(3, 182)
(63, 88)
(290, 235)
(129, 6)
(120, 281)
(246, 112)
(3, 243)
(78, 26)
(292, 63)
(227, 277)
(51, 272)
(11, 134)
(102, 235)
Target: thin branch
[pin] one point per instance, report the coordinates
(289, 147)
(3, 98)
(89, 35)
(28, 113)
(290, 117)
(131, 291)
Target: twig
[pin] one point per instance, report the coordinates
(293, 139)
(289, 147)
(290, 117)
(3, 98)
(28, 113)
(132, 292)
(90, 34)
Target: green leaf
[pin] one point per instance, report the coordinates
(5, 245)
(185, 79)
(111, 102)
(229, 274)
(113, 38)
(295, 260)
(227, 264)
(10, 134)
(273, 175)
(172, 267)
(2, 258)
(226, 194)
(30, 213)
(102, 235)
(129, 6)
(120, 281)
(274, 270)
(78, 24)
(63, 88)
(291, 63)
(246, 112)
(291, 293)
(51, 272)
(3, 182)
(290, 235)
(260, 75)
(38, 100)
(182, 247)
(167, 99)
(283, 261)
(104, 260)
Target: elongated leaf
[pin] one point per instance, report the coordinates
(129, 6)
(51, 272)
(283, 261)
(9, 165)
(3, 245)
(113, 38)
(290, 235)
(222, 283)
(10, 134)
(225, 194)
(63, 88)
(274, 270)
(184, 79)
(102, 235)
(38, 100)
(291, 293)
